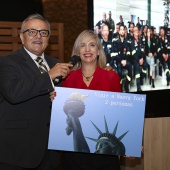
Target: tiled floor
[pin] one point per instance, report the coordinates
(160, 83)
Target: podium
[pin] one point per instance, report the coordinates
(156, 142)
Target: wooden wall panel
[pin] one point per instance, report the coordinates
(74, 16)
(157, 144)
(10, 40)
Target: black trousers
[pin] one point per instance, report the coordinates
(50, 161)
(86, 161)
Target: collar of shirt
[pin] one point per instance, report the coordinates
(33, 56)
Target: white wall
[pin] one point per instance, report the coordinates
(157, 13)
(129, 7)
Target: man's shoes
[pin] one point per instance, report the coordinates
(150, 80)
(168, 79)
(141, 81)
(153, 84)
(126, 90)
(126, 86)
(139, 89)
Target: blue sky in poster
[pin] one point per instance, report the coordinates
(97, 105)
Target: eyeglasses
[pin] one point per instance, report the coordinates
(34, 32)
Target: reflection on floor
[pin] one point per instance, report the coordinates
(160, 84)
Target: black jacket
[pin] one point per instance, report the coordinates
(25, 109)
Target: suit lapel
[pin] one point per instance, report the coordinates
(49, 61)
(29, 61)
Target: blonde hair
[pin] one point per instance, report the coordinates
(101, 61)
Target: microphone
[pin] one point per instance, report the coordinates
(73, 60)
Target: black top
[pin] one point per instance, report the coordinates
(87, 161)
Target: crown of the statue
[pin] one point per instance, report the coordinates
(109, 136)
(112, 136)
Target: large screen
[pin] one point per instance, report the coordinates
(156, 16)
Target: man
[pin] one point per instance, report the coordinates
(111, 22)
(116, 34)
(130, 34)
(138, 58)
(147, 23)
(138, 23)
(121, 55)
(121, 20)
(131, 21)
(103, 21)
(25, 104)
(106, 42)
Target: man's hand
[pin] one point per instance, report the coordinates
(123, 62)
(108, 68)
(60, 69)
(141, 61)
(165, 56)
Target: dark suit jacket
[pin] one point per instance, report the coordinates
(25, 109)
(152, 48)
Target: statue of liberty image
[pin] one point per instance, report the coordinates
(74, 108)
(106, 143)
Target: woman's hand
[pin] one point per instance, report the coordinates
(52, 95)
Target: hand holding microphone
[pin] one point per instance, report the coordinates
(61, 70)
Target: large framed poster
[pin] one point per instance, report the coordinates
(98, 122)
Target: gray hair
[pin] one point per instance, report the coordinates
(35, 16)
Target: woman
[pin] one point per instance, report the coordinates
(150, 51)
(90, 74)
(163, 53)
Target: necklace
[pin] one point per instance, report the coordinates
(87, 78)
